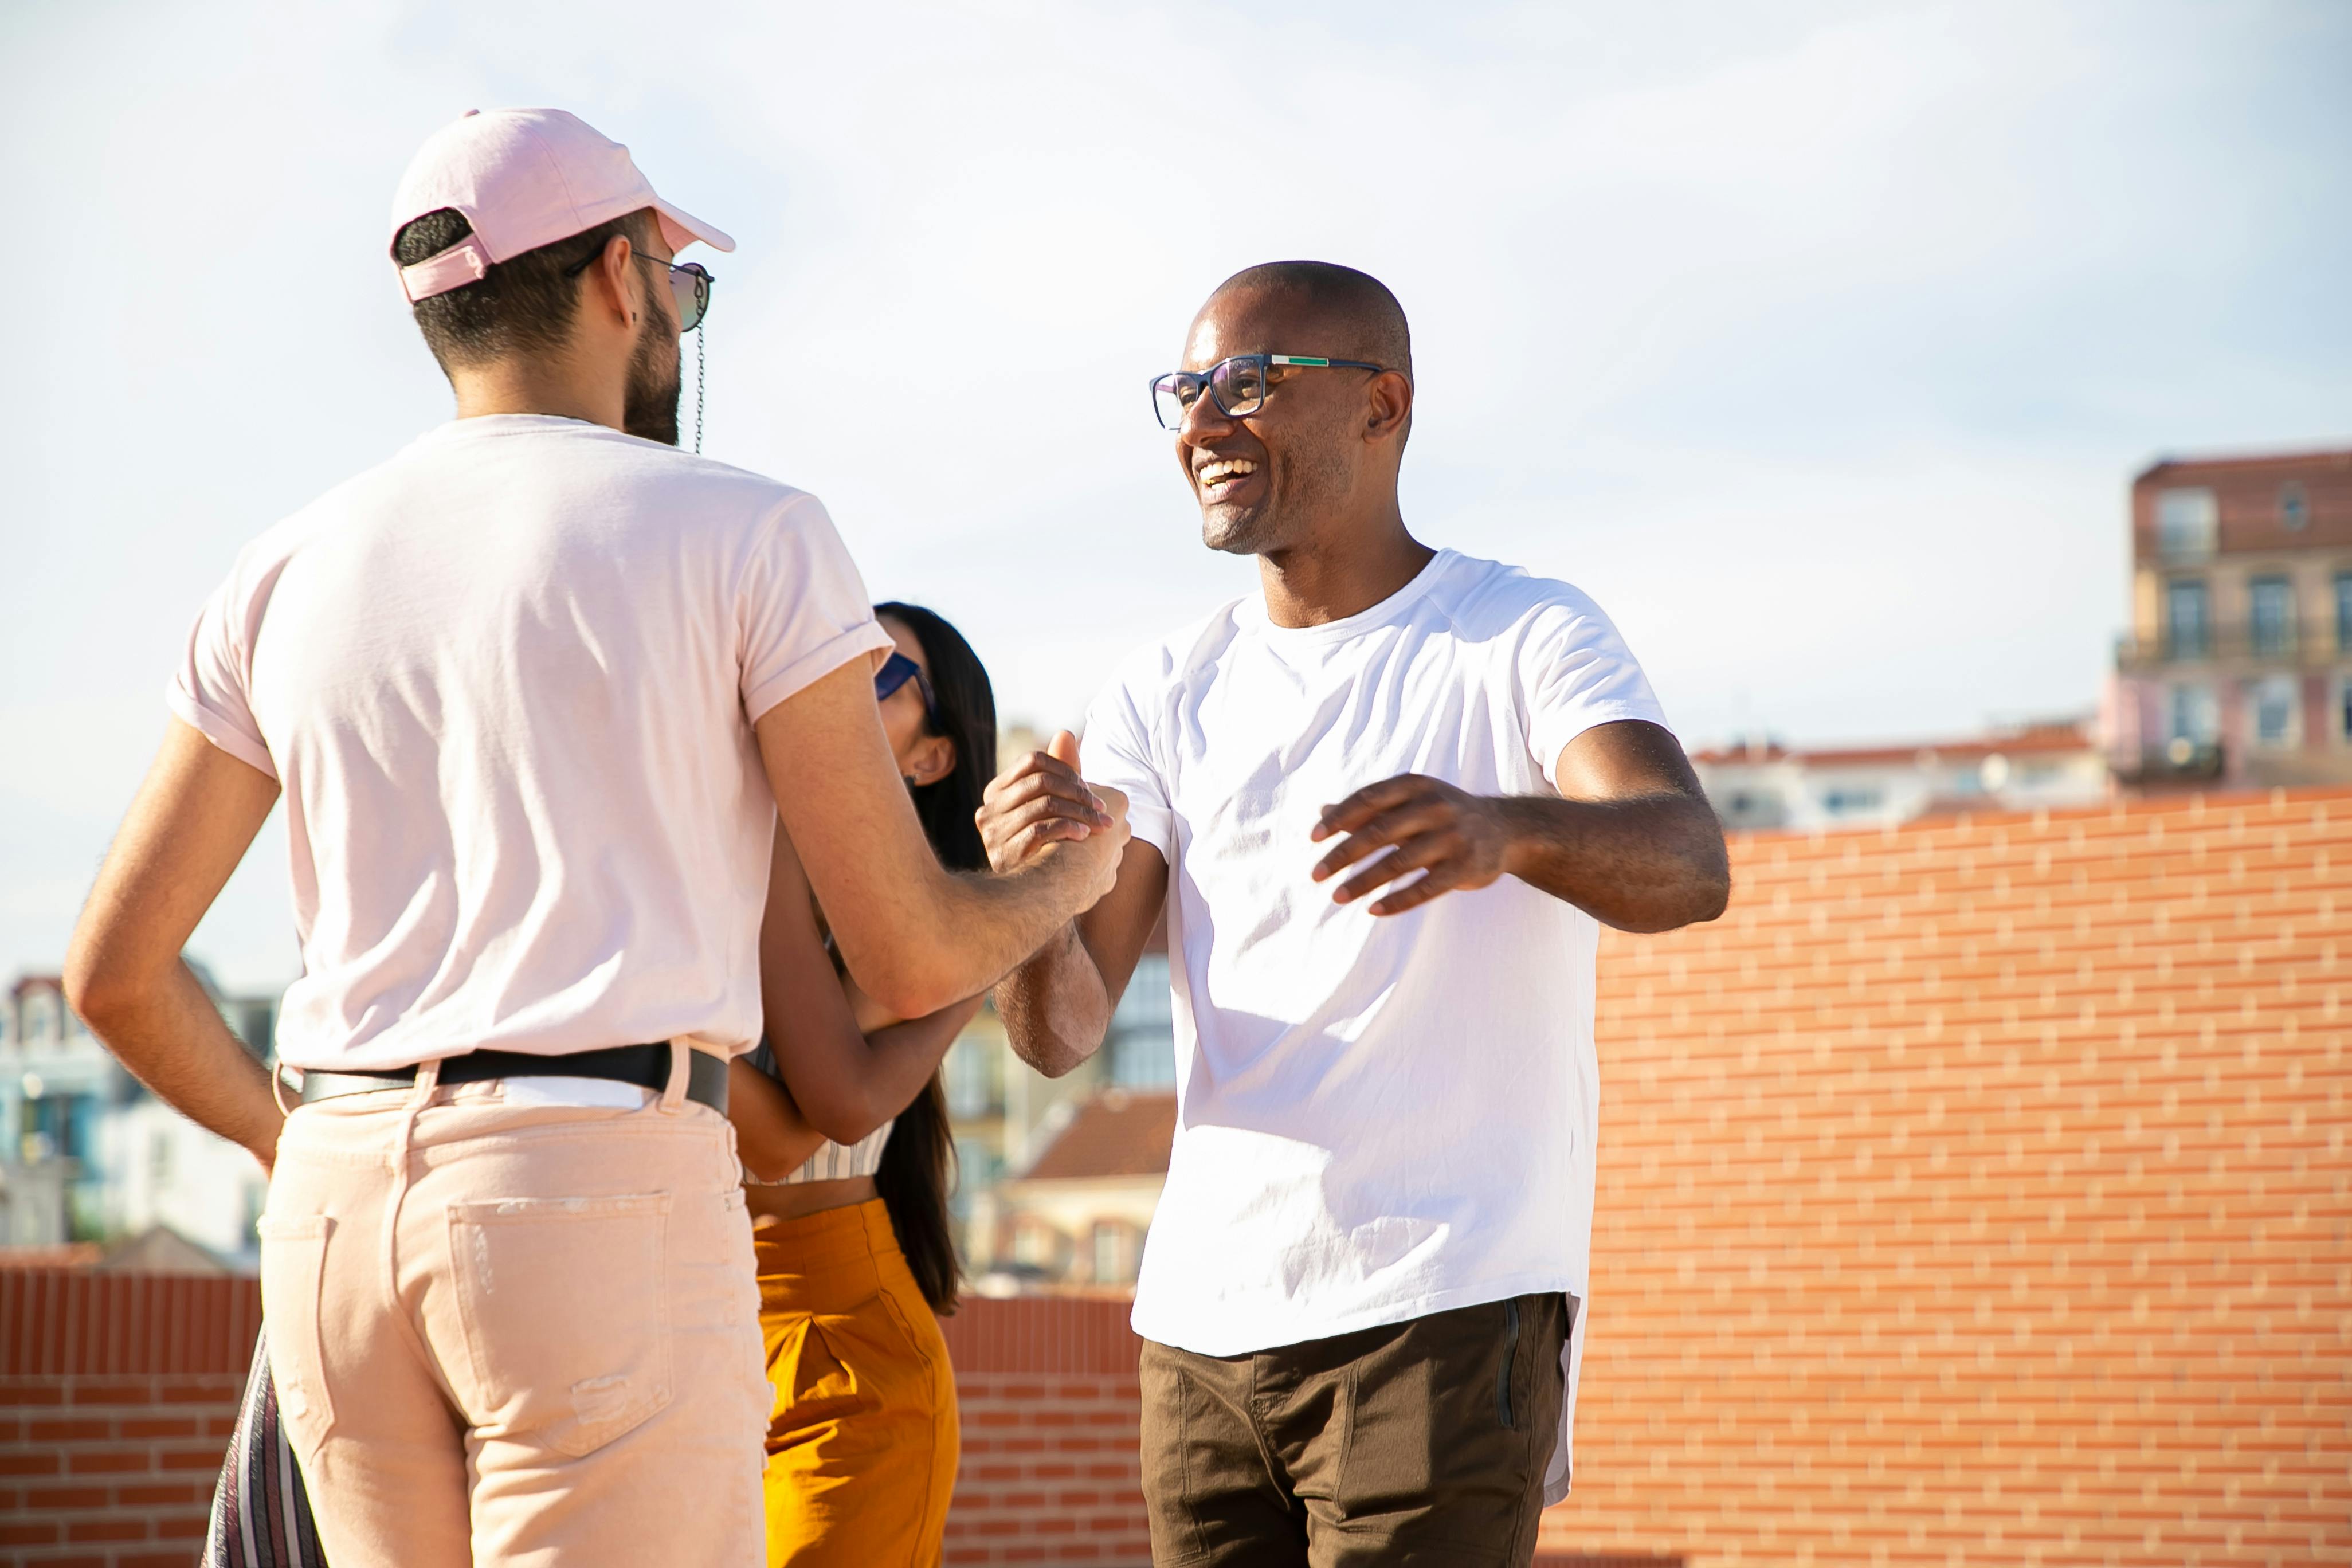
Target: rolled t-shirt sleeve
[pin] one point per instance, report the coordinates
(1117, 751)
(212, 692)
(1575, 671)
(800, 607)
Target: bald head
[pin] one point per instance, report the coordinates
(1351, 314)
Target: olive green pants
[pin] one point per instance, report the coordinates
(1418, 1443)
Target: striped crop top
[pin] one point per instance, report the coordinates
(832, 1162)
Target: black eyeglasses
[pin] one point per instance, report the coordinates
(896, 671)
(1237, 385)
(689, 285)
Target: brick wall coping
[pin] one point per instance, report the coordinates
(56, 1323)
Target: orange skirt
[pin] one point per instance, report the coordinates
(862, 1442)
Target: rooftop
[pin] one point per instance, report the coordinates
(2032, 740)
(1117, 1133)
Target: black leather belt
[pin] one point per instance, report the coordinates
(648, 1066)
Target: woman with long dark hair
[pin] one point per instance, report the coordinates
(848, 1159)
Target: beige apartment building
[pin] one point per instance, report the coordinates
(2238, 666)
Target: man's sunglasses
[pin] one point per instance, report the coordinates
(896, 671)
(1237, 385)
(689, 285)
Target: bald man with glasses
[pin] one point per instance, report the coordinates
(1384, 805)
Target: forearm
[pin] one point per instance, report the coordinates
(983, 925)
(899, 1060)
(1055, 1007)
(1646, 864)
(771, 1137)
(167, 1032)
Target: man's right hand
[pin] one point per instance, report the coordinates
(1041, 801)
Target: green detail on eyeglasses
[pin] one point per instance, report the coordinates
(1236, 386)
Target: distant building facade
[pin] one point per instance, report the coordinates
(2026, 768)
(2238, 666)
(87, 1154)
(1006, 1117)
(1079, 1215)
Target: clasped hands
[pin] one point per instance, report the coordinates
(1456, 839)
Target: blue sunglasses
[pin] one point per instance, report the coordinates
(896, 671)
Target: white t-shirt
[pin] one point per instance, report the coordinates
(1379, 1117)
(507, 681)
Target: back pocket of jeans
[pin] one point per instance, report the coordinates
(565, 1307)
(293, 1274)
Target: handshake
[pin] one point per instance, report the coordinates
(1040, 800)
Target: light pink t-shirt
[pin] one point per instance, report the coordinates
(507, 681)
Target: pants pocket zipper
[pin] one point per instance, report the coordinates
(1510, 1358)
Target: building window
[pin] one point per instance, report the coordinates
(1142, 1029)
(2187, 522)
(1110, 1254)
(61, 1124)
(1844, 802)
(2187, 624)
(1037, 1244)
(2274, 703)
(1145, 1004)
(2294, 506)
(2195, 717)
(2344, 710)
(2343, 612)
(973, 1087)
(2271, 625)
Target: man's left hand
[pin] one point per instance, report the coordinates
(1455, 838)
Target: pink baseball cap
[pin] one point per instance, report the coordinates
(524, 178)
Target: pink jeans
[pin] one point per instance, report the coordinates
(505, 1332)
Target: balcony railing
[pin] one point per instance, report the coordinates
(2240, 642)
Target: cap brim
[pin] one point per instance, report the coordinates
(683, 228)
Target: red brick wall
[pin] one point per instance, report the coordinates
(1972, 1193)
(1050, 1411)
(1977, 1192)
(116, 1395)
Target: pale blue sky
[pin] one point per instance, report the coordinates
(1818, 342)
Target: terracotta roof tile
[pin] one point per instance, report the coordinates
(1115, 1133)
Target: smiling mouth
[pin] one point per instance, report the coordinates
(1221, 479)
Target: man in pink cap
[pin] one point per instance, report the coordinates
(534, 691)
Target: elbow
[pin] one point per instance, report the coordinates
(97, 988)
(1702, 897)
(1704, 887)
(1064, 1066)
(910, 985)
(1710, 895)
(845, 1124)
(845, 1113)
(1052, 1055)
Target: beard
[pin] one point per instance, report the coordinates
(1307, 482)
(649, 403)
